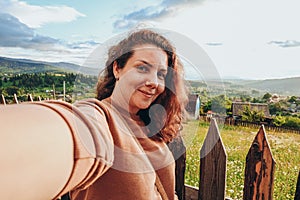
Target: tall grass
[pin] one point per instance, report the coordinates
(285, 148)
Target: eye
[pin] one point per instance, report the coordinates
(142, 68)
(162, 75)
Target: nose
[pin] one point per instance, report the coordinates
(152, 81)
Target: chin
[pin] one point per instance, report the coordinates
(141, 103)
(144, 107)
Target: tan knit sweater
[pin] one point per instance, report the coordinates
(136, 158)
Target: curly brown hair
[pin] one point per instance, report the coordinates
(173, 98)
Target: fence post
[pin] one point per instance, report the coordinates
(297, 193)
(259, 171)
(178, 150)
(16, 99)
(212, 165)
(3, 99)
(29, 98)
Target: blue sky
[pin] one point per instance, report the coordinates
(253, 39)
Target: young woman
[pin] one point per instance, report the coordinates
(119, 140)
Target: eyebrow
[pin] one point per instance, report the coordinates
(145, 62)
(150, 65)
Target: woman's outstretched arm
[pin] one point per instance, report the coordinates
(47, 149)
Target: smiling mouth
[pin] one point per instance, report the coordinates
(147, 94)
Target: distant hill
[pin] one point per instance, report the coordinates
(17, 66)
(284, 86)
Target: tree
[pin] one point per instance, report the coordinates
(218, 104)
(293, 122)
(255, 100)
(267, 96)
(278, 120)
(228, 104)
(245, 98)
(11, 90)
(275, 108)
(252, 115)
(207, 106)
(293, 99)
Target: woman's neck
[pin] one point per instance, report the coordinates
(120, 107)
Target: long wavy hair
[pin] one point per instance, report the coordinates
(165, 122)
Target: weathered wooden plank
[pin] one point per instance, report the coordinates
(297, 193)
(191, 193)
(180, 171)
(3, 99)
(259, 171)
(178, 150)
(212, 165)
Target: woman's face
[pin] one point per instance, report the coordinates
(142, 79)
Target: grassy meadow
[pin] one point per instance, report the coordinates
(285, 148)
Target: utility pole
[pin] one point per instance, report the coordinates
(53, 91)
(64, 87)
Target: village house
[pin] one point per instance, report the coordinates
(274, 98)
(193, 106)
(239, 107)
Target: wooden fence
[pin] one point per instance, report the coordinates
(259, 171)
(268, 127)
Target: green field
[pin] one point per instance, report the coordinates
(285, 148)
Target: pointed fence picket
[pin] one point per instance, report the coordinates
(212, 165)
(260, 167)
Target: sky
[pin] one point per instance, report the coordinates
(249, 39)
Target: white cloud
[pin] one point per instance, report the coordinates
(160, 11)
(18, 21)
(35, 16)
(16, 38)
(16, 34)
(287, 43)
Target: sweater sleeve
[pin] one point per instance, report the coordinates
(50, 148)
(93, 143)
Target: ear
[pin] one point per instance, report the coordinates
(116, 69)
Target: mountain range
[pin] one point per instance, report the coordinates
(19, 66)
(284, 86)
